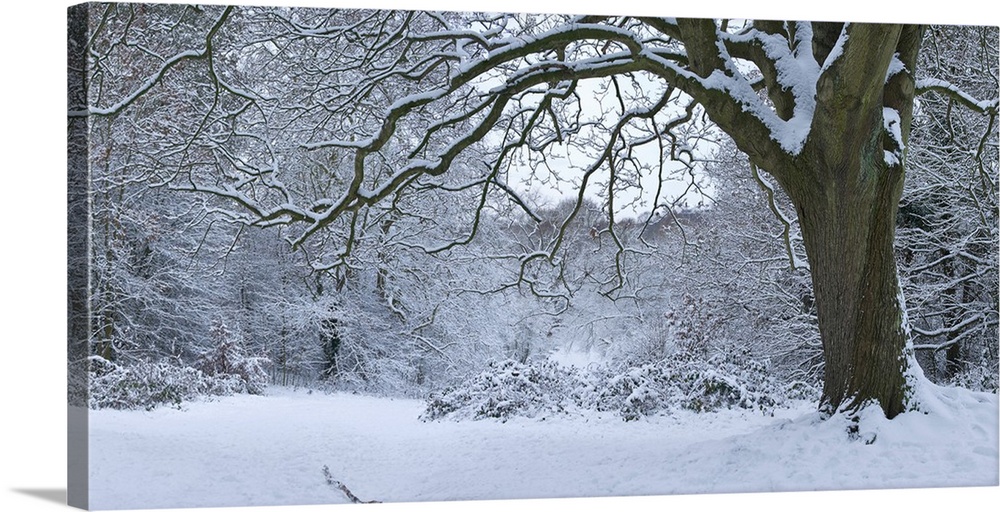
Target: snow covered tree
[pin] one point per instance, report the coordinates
(383, 106)
(948, 233)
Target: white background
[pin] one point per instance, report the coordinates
(33, 247)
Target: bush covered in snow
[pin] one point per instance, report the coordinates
(700, 385)
(732, 380)
(147, 385)
(633, 393)
(229, 359)
(509, 388)
(977, 378)
(506, 388)
(223, 370)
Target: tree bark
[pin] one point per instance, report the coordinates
(848, 227)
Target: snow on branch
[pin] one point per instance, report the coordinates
(937, 85)
(158, 76)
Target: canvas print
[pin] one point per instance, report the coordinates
(333, 256)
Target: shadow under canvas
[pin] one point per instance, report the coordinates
(49, 494)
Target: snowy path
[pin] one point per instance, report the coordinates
(251, 450)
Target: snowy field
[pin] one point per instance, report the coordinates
(270, 450)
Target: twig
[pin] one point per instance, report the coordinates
(338, 484)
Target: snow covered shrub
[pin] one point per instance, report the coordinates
(228, 359)
(688, 382)
(977, 378)
(800, 390)
(635, 393)
(691, 327)
(725, 381)
(713, 390)
(506, 388)
(224, 370)
(509, 388)
(77, 393)
(685, 381)
(145, 385)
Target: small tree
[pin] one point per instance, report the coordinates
(228, 357)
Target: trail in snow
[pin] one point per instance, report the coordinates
(270, 450)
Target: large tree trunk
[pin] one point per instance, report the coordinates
(848, 218)
(848, 226)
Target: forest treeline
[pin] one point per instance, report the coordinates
(185, 304)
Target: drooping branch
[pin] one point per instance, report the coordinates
(786, 223)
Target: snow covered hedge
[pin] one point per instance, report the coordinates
(509, 388)
(224, 370)
(147, 385)
(700, 385)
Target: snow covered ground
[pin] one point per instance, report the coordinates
(270, 450)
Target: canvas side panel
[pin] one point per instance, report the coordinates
(78, 261)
